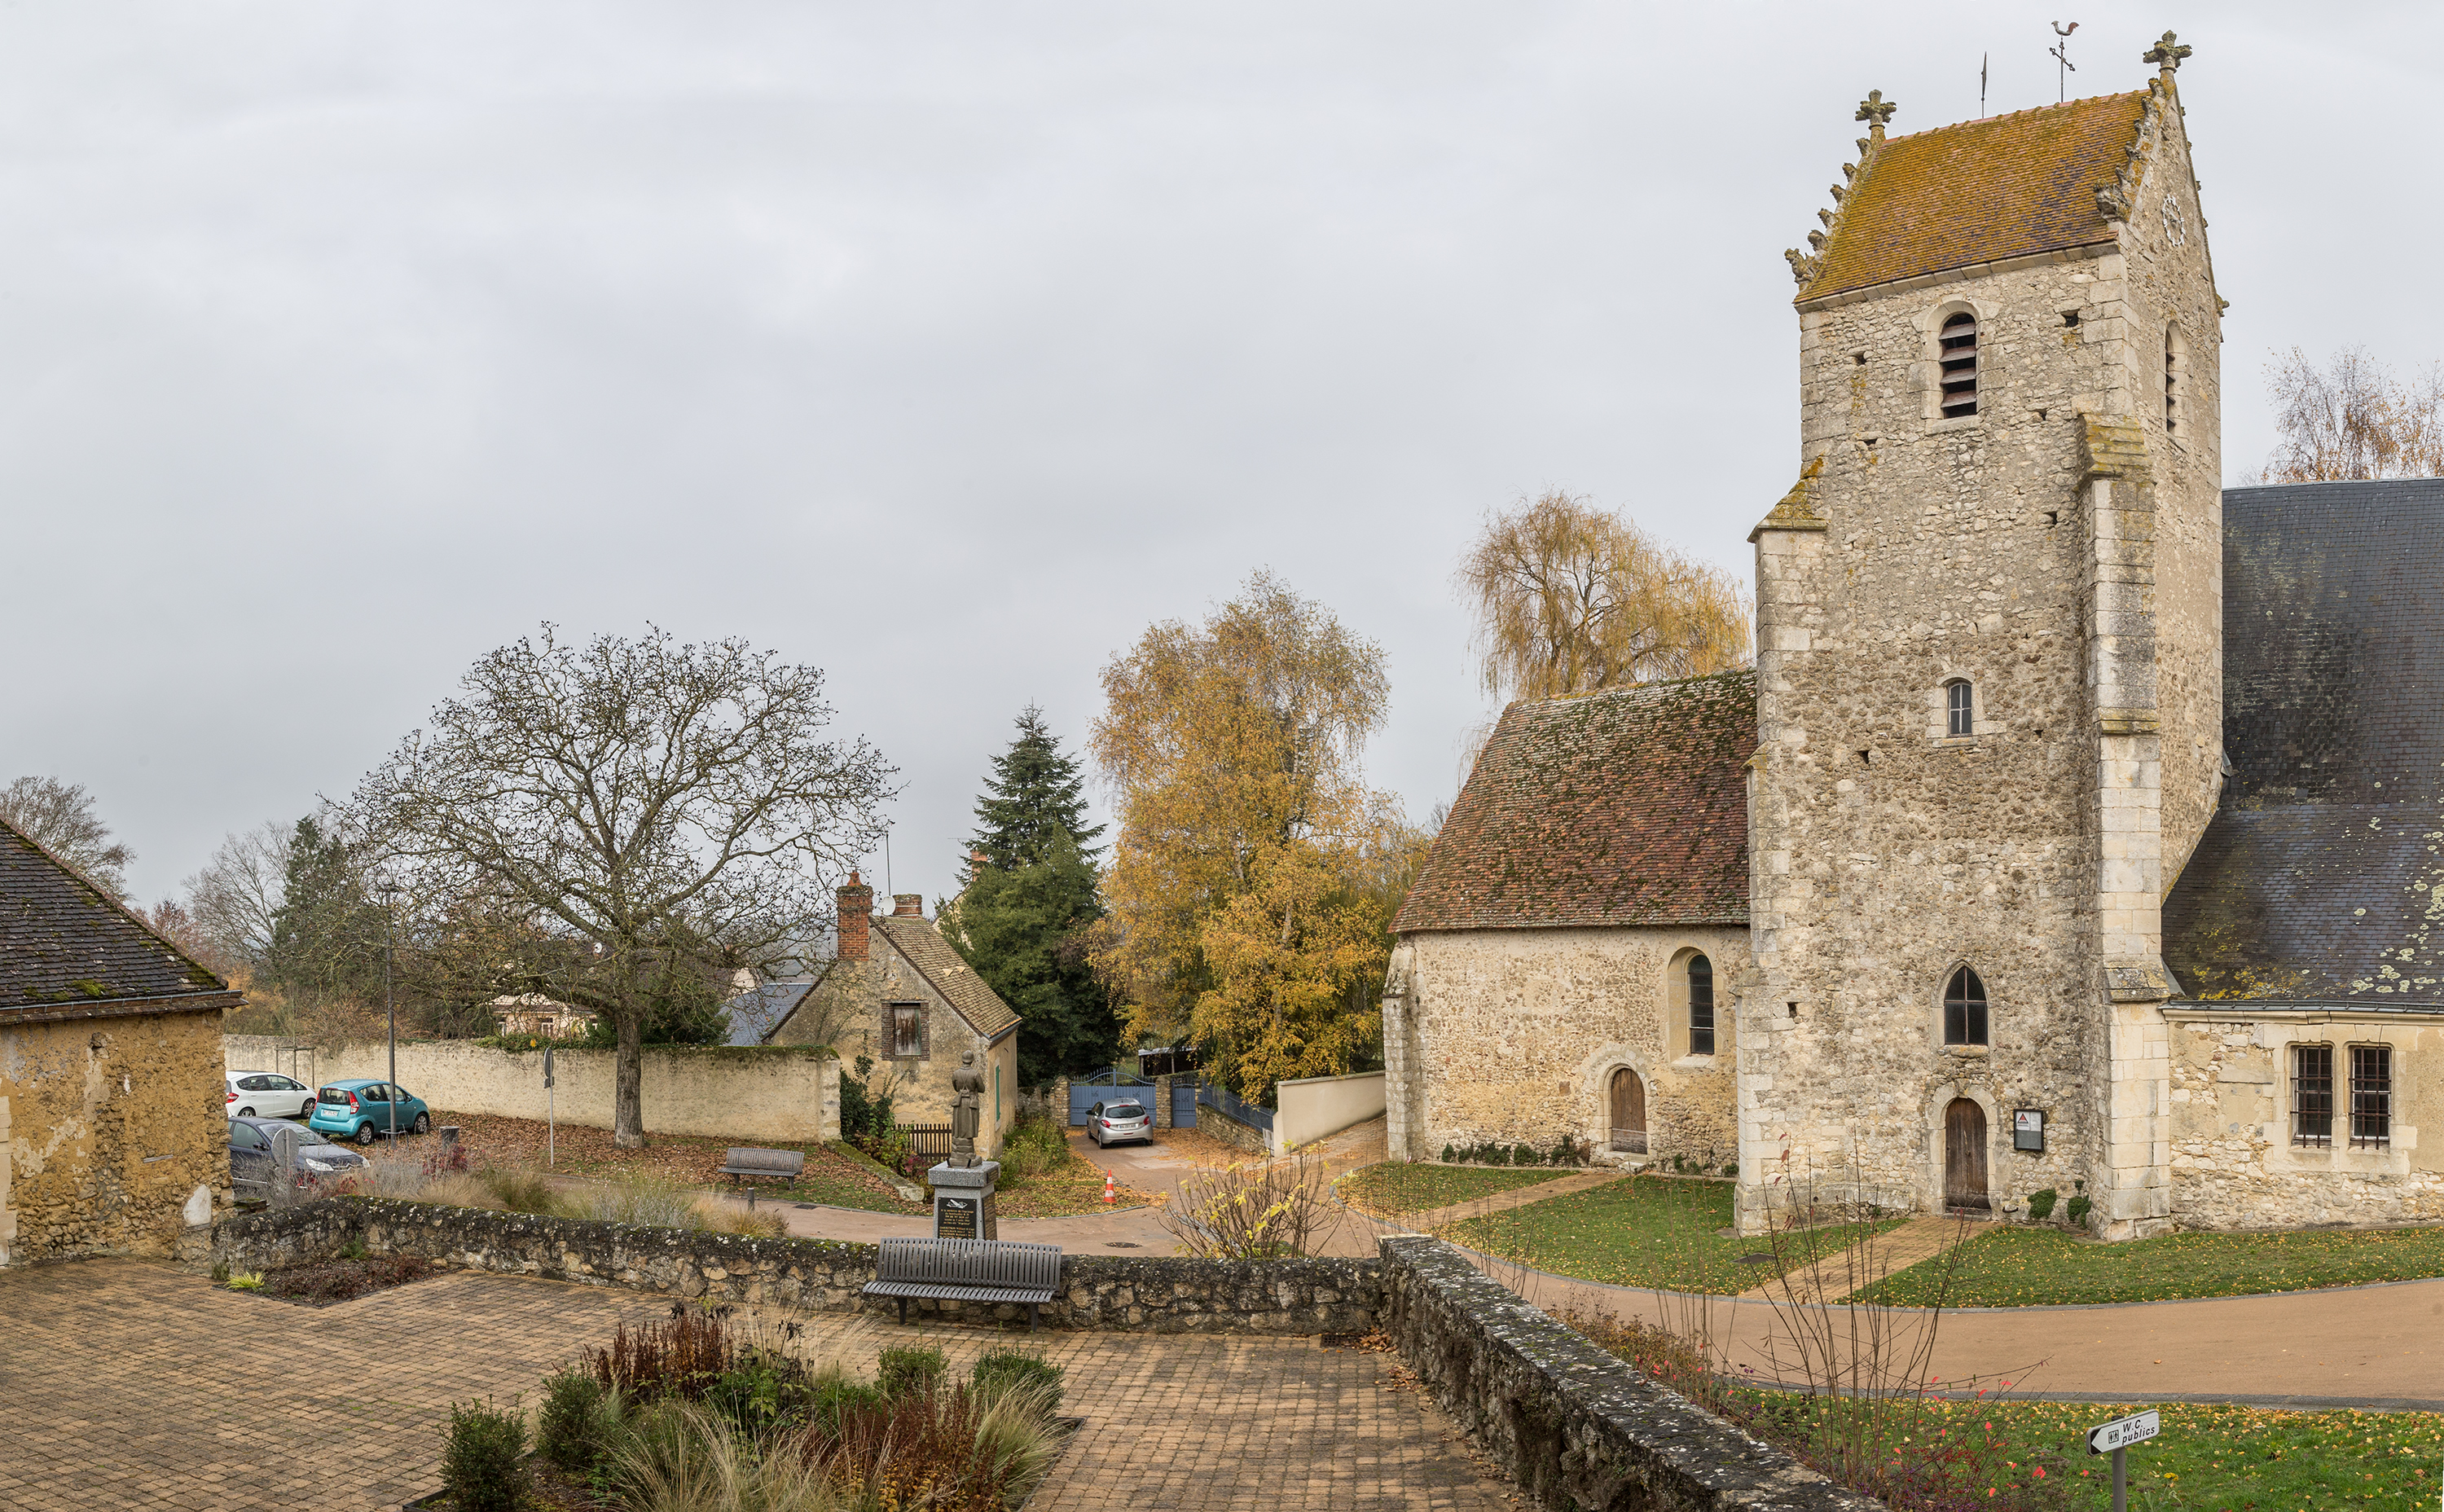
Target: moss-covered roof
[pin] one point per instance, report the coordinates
(66, 945)
(1619, 808)
(1979, 192)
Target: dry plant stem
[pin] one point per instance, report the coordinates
(1254, 1209)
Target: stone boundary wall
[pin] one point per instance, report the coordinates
(1231, 1131)
(1114, 1293)
(781, 1093)
(1573, 1427)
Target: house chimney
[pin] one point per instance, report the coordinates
(907, 905)
(856, 912)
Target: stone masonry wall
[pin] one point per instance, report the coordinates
(2234, 1163)
(1885, 852)
(847, 1009)
(1513, 1035)
(113, 1136)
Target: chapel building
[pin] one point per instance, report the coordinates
(1887, 920)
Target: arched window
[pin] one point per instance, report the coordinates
(1701, 1005)
(1964, 1009)
(1959, 708)
(1958, 352)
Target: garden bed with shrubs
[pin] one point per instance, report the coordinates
(322, 1282)
(702, 1412)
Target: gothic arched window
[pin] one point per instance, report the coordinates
(1964, 1009)
(1701, 1005)
(1959, 708)
(1958, 352)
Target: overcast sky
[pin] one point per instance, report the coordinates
(948, 346)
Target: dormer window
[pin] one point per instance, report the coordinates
(1959, 708)
(1958, 352)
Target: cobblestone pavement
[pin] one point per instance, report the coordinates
(142, 1385)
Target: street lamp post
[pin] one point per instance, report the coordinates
(386, 883)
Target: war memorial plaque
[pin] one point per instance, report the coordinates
(957, 1217)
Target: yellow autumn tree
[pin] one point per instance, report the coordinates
(1246, 886)
(1570, 598)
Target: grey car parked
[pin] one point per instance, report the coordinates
(1119, 1122)
(259, 1147)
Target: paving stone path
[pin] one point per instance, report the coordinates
(1861, 1265)
(142, 1385)
(1435, 1218)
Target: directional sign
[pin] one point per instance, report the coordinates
(2123, 1431)
(546, 1066)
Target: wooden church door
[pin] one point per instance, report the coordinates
(1964, 1154)
(1628, 1111)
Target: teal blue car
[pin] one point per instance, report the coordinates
(361, 1109)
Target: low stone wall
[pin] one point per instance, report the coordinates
(1140, 1295)
(1231, 1131)
(780, 1093)
(1572, 1425)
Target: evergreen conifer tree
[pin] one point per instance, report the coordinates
(1030, 895)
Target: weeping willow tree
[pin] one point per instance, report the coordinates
(1569, 598)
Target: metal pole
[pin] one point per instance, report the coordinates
(390, 1003)
(2120, 1482)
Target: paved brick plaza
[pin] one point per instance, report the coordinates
(136, 1384)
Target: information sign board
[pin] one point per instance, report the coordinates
(2123, 1431)
(955, 1218)
(2028, 1130)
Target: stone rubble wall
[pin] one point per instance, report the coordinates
(113, 1136)
(1571, 1425)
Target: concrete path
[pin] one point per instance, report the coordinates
(1861, 1265)
(1460, 1212)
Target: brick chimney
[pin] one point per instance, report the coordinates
(907, 905)
(855, 914)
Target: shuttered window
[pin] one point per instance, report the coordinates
(1959, 355)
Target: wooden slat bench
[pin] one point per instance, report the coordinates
(787, 1164)
(966, 1270)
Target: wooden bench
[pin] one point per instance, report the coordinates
(787, 1164)
(966, 1270)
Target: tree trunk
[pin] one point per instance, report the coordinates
(628, 1078)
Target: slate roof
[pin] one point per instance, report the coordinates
(1978, 192)
(2321, 878)
(923, 945)
(1625, 807)
(69, 951)
(756, 1012)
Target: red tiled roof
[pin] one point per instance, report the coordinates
(1978, 192)
(1625, 807)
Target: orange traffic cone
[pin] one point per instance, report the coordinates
(1108, 1195)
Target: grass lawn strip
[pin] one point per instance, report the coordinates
(2033, 1267)
(1657, 1231)
(2219, 1458)
(1398, 1188)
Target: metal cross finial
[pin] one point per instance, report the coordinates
(2060, 52)
(2166, 55)
(1876, 110)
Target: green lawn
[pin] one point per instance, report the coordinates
(1648, 1231)
(1397, 1189)
(2025, 1267)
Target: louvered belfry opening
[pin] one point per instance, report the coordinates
(1958, 345)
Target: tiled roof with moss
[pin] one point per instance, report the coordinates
(1979, 192)
(1619, 808)
(67, 948)
(925, 949)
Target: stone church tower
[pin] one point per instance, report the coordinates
(1990, 668)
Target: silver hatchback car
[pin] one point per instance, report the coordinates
(1119, 1121)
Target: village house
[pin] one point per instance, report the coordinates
(2091, 813)
(112, 1123)
(896, 992)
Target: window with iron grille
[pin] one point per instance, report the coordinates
(2371, 1097)
(1959, 708)
(1701, 1005)
(2312, 1095)
(1957, 353)
(1964, 1009)
(907, 1029)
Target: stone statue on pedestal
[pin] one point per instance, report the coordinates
(967, 1110)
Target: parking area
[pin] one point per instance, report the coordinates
(140, 1384)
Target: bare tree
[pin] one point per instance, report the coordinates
(59, 816)
(233, 902)
(675, 805)
(1570, 598)
(2352, 419)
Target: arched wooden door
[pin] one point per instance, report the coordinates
(1628, 1111)
(1964, 1154)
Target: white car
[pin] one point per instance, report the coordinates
(1119, 1121)
(267, 1095)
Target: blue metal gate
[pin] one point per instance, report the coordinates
(1101, 1087)
(1183, 1103)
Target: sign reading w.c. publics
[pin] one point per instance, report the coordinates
(2123, 1431)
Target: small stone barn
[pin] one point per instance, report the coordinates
(897, 991)
(1565, 962)
(112, 1113)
